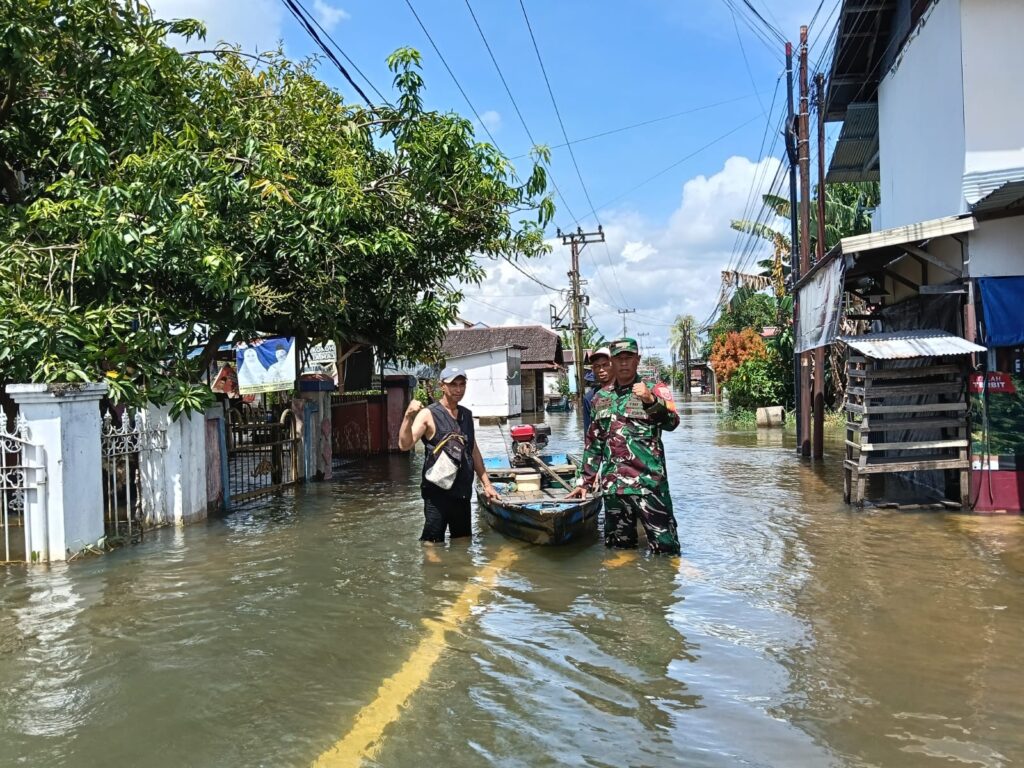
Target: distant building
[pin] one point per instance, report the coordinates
(532, 355)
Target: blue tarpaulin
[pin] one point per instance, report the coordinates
(1002, 301)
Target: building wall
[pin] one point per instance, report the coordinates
(921, 124)
(487, 386)
(996, 248)
(993, 60)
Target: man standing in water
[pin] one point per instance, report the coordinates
(624, 459)
(436, 425)
(601, 365)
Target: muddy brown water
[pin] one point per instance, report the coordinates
(795, 632)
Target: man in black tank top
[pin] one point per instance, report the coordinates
(440, 422)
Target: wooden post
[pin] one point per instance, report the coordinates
(804, 160)
(818, 439)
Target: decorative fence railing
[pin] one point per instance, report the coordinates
(125, 447)
(21, 473)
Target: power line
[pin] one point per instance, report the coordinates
(292, 6)
(501, 309)
(746, 62)
(653, 120)
(572, 154)
(515, 105)
(454, 78)
(532, 277)
(678, 162)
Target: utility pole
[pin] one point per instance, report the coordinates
(818, 442)
(577, 241)
(804, 158)
(794, 229)
(641, 336)
(625, 312)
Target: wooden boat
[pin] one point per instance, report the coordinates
(561, 405)
(541, 516)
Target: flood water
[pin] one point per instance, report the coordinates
(794, 632)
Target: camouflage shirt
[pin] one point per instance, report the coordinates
(623, 453)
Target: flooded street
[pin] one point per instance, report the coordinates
(793, 632)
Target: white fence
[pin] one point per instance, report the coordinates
(21, 475)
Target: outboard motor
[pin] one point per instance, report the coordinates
(527, 441)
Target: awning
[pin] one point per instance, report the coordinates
(859, 258)
(1002, 299)
(539, 367)
(906, 345)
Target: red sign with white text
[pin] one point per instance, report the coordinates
(999, 383)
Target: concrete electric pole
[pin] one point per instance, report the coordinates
(625, 312)
(577, 241)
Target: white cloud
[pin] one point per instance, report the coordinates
(637, 251)
(255, 25)
(329, 15)
(661, 269)
(491, 120)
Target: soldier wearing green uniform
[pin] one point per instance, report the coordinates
(624, 459)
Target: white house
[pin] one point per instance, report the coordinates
(493, 381)
(539, 361)
(932, 105)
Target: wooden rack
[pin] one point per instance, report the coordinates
(884, 437)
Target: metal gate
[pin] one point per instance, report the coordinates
(124, 447)
(263, 454)
(21, 471)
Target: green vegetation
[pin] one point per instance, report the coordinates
(762, 374)
(152, 201)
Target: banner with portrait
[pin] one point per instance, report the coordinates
(266, 365)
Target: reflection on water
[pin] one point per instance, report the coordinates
(794, 632)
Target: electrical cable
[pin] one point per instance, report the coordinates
(572, 155)
(515, 105)
(678, 162)
(653, 120)
(454, 78)
(291, 5)
(341, 51)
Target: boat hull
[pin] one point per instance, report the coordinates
(542, 520)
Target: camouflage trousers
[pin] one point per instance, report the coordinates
(655, 513)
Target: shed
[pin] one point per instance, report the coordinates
(541, 355)
(906, 413)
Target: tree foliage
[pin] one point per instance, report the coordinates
(759, 381)
(732, 350)
(152, 200)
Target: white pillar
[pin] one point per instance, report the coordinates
(174, 478)
(65, 420)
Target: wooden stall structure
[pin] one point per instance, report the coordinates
(906, 412)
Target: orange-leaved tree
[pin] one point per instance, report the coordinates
(733, 349)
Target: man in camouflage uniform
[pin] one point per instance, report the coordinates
(624, 459)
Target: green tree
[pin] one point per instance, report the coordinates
(592, 338)
(683, 339)
(151, 200)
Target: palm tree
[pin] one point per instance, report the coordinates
(848, 209)
(682, 339)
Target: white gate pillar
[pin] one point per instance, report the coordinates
(64, 419)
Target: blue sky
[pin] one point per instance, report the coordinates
(610, 64)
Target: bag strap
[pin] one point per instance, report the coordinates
(452, 425)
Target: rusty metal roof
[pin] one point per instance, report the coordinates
(906, 345)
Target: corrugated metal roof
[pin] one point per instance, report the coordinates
(1010, 195)
(855, 157)
(905, 345)
(979, 185)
